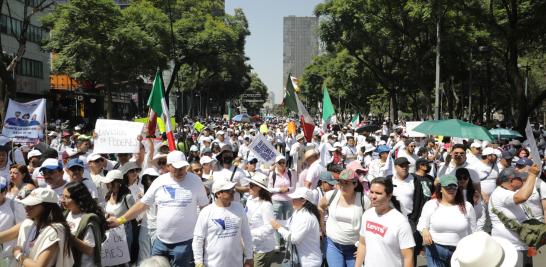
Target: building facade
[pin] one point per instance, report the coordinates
(32, 72)
(300, 44)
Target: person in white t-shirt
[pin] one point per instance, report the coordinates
(75, 170)
(445, 221)
(52, 171)
(219, 230)
(507, 199)
(386, 238)
(487, 170)
(409, 153)
(11, 213)
(458, 160)
(177, 195)
(303, 229)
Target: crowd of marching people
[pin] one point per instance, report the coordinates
(340, 197)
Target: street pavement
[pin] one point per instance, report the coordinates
(538, 261)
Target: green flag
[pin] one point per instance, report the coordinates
(355, 121)
(289, 100)
(230, 115)
(327, 107)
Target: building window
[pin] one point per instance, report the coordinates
(30, 68)
(34, 34)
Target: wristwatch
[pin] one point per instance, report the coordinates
(18, 257)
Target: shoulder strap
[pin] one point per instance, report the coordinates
(125, 201)
(274, 177)
(233, 174)
(332, 197)
(362, 202)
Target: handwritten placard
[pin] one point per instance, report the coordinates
(263, 149)
(113, 136)
(114, 249)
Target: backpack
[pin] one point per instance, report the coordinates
(362, 201)
(275, 177)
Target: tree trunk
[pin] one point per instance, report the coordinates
(393, 105)
(170, 86)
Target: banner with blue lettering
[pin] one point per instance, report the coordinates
(263, 149)
(25, 120)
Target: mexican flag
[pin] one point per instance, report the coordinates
(289, 100)
(306, 121)
(295, 84)
(328, 112)
(355, 122)
(158, 107)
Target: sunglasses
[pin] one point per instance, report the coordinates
(451, 187)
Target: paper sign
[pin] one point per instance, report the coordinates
(198, 126)
(115, 136)
(410, 125)
(114, 249)
(25, 120)
(535, 156)
(263, 149)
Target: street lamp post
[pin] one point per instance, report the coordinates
(484, 49)
(527, 68)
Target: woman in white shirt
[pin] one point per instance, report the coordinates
(345, 207)
(43, 238)
(21, 183)
(11, 213)
(131, 179)
(303, 228)
(445, 221)
(259, 214)
(87, 224)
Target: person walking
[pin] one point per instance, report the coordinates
(445, 221)
(303, 229)
(281, 182)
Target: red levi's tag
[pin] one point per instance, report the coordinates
(531, 251)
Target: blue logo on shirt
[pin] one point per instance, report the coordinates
(220, 222)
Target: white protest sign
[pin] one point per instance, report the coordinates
(114, 249)
(115, 136)
(535, 156)
(263, 149)
(410, 125)
(25, 120)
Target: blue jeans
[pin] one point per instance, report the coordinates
(179, 254)
(338, 255)
(282, 211)
(439, 255)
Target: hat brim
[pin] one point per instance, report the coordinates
(228, 186)
(510, 254)
(51, 168)
(30, 201)
(257, 183)
(106, 180)
(295, 196)
(180, 164)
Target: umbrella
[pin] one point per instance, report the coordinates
(454, 128)
(368, 128)
(503, 133)
(241, 118)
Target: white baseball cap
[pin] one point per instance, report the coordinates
(205, 160)
(40, 195)
(177, 159)
(34, 153)
(111, 176)
(279, 158)
(194, 148)
(222, 184)
(150, 171)
(302, 192)
(488, 151)
(476, 144)
(93, 157)
(51, 164)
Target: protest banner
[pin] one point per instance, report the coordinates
(263, 149)
(535, 156)
(115, 136)
(114, 250)
(198, 126)
(410, 125)
(25, 120)
(160, 123)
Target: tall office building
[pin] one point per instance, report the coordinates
(301, 44)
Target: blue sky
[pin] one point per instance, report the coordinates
(265, 44)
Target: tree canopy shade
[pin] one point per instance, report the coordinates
(385, 48)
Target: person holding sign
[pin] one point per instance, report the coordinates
(177, 195)
(219, 230)
(43, 238)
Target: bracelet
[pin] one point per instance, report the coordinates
(121, 220)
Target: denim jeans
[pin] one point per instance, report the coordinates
(179, 254)
(283, 211)
(439, 255)
(338, 255)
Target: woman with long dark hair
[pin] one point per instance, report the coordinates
(21, 183)
(118, 201)
(445, 221)
(303, 229)
(87, 224)
(147, 235)
(259, 214)
(43, 239)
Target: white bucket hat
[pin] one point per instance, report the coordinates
(260, 180)
(40, 195)
(482, 250)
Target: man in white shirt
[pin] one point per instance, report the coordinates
(386, 237)
(296, 152)
(220, 139)
(458, 160)
(219, 230)
(230, 173)
(507, 199)
(75, 170)
(349, 150)
(52, 171)
(177, 195)
(487, 170)
(313, 173)
(474, 155)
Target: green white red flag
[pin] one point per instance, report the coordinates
(158, 107)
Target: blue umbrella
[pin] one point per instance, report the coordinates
(241, 118)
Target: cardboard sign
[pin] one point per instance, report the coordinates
(535, 156)
(25, 120)
(115, 136)
(263, 149)
(114, 249)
